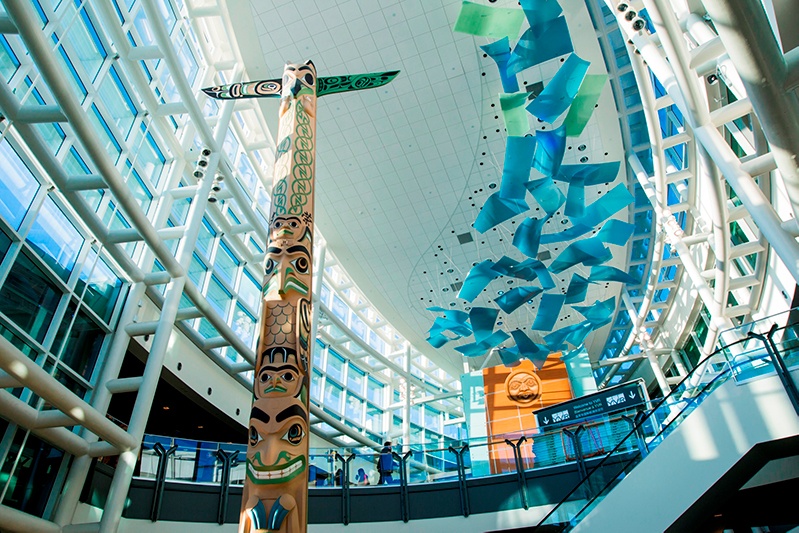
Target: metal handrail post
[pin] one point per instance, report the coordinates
(227, 459)
(345, 486)
(520, 479)
(578, 453)
(462, 489)
(635, 424)
(779, 365)
(405, 508)
(160, 478)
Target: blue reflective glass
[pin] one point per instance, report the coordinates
(29, 298)
(244, 325)
(219, 297)
(340, 309)
(55, 239)
(197, 270)
(205, 238)
(247, 174)
(117, 101)
(250, 291)
(111, 145)
(17, 188)
(103, 289)
(226, 263)
(8, 59)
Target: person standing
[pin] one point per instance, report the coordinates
(385, 465)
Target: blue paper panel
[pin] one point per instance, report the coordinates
(540, 11)
(526, 346)
(543, 275)
(509, 356)
(529, 349)
(574, 335)
(516, 169)
(550, 150)
(440, 325)
(499, 51)
(479, 348)
(557, 96)
(478, 279)
(573, 232)
(528, 236)
(437, 341)
(590, 174)
(497, 210)
(578, 286)
(547, 194)
(606, 206)
(540, 43)
(587, 251)
(609, 273)
(616, 232)
(599, 313)
(514, 298)
(575, 199)
(482, 319)
(513, 113)
(548, 311)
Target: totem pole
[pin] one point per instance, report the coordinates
(275, 496)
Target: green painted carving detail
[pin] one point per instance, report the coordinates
(279, 196)
(283, 147)
(353, 82)
(302, 164)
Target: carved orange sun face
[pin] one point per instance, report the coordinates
(523, 387)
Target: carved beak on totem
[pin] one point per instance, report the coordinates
(295, 89)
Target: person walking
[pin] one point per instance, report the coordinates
(385, 465)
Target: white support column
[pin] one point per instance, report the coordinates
(406, 409)
(747, 34)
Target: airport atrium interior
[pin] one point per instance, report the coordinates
(554, 262)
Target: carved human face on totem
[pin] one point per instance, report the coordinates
(278, 446)
(278, 374)
(287, 269)
(523, 386)
(298, 80)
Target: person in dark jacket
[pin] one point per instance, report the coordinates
(385, 465)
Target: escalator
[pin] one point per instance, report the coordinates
(726, 437)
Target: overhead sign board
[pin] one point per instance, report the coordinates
(621, 397)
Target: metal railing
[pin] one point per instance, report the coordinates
(754, 356)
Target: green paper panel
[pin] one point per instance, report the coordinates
(513, 113)
(583, 105)
(485, 21)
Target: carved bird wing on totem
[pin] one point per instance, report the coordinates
(247, 89)
(352, 82)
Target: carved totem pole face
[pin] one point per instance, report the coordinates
(275, 492)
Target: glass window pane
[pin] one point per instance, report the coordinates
(316, 386)
(374, 418)
(83, 343)
(219, 297)
(244, 325)
(197, 270)
(340, 309)
(335, 365)
(55, 239)
(29, 298)
(374, 391)
(355, 379)
(226, 264)
(84, 44)
(32, 473)
(103, 290)
(250, 291)
(117, 101)
(17, 188)
(333, 394)
(354, 408)
(205, 238)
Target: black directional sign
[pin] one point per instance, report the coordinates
(620, 397)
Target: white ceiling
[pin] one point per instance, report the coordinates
(403, 169)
